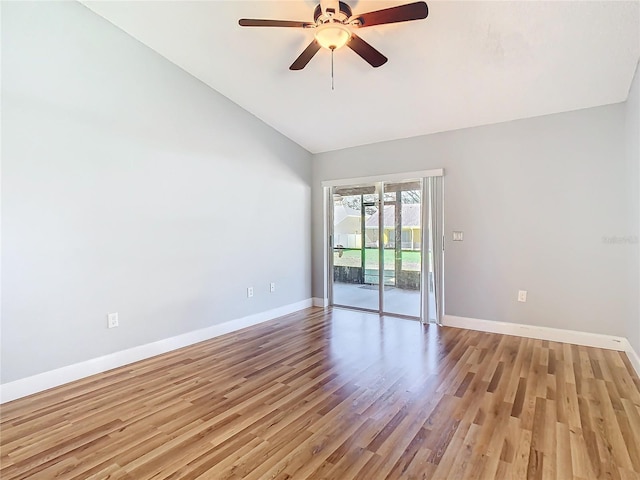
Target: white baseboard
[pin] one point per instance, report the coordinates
(634, 358)
(586, 339)
(542, 333)
(53, 378)
(320, 302)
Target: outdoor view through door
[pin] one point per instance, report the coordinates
(379, 225)
(356, 259)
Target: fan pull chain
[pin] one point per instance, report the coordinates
(332, 50)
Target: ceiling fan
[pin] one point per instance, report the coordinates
(334, 23)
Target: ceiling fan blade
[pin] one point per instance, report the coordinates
(305, 56)
(402, 13)
(252, 22)
(366, 51)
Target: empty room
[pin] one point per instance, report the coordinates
(320, 240)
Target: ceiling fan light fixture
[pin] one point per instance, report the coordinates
(332, 35)
(333, 23)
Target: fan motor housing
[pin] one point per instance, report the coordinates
(342, 16)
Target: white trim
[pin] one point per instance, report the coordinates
(53, 378)
(327, 244)
(634, 358)
(320, 302)
(542, 333)
(389, 177)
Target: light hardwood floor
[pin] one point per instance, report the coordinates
(333, 394)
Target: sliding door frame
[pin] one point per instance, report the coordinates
(379, 181)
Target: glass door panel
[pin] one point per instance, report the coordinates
(355, 247)
(402, 242)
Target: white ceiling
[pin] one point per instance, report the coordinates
(469, 63)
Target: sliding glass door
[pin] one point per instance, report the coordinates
(380, 233)
(402, 241)
(355, 247)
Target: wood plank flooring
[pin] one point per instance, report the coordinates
(334, 394)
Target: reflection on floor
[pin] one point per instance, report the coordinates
(396, 300)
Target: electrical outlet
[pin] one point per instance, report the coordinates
(249, 292)
(522, 295)
(272, 287)
(112, 320)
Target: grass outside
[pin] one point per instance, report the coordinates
(351, 258)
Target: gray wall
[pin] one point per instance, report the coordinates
(129, 186)
(535, 199)
(633, 155)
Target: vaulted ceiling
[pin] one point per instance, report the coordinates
(469, 63)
